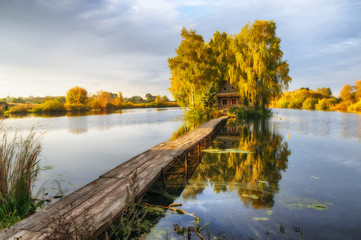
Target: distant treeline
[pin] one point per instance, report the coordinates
(78, 99)
(322, 99)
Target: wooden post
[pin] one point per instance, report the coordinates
(185, 167)
(162, 176)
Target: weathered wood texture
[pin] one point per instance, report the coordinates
(103, 199)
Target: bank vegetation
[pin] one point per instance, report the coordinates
(349, 99)
(78, 99)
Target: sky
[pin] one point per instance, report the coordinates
(50, 46)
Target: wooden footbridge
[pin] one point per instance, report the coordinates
(104, 199)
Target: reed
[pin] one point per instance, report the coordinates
(19, 168)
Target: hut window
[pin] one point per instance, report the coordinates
(225, 88)
(224, 101)
(234, 101)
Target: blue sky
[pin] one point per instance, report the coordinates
(49, 46)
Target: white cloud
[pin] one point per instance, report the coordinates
(124, 44)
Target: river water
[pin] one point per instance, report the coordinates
(81, 148)
(298, 177)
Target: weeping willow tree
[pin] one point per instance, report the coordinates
(192, 71)
(251, 61)
(258, 72)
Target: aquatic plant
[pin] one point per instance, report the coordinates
(293, 203)
(19, 168)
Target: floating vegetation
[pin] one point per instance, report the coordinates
(265, 182)
(319, 206)
(181, 230)
(228, 150)
(175, 210)
(250, 196)
(302, 203)
(260, 219)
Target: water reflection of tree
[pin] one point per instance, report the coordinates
(255, 176)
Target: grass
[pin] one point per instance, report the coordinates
(19, 168)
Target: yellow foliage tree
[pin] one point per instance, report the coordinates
(76, 98)
(346, 94)
(158, 99)
(358, 90)
(104, 99)
(258, 72)
(118, 101)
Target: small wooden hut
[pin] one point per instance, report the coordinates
(227, 96)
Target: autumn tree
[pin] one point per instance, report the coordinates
(158, 99)
(221, 57)
(104, 99)
(136, 99)
(325, 91)
(346, 93)
(259, 73)
(251, 61)
(118, 101)
(149, 97)
(191, 71)
(165, 98)
(76, 98)
(358, 90)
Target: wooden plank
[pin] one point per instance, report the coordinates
(66, 204)
(17, 235)
(78, 207)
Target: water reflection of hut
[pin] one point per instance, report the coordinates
(229, 136)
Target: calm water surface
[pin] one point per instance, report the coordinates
(301, 180)
(81, 148)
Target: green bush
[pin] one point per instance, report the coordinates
(52, 106)
(355, 107)
(37, 109)
(76, 107)
(342, 106)
(283, 104)
(249, 112)
(325, 103)
(18, 109)
(309, 103)
(199, 115)
(295, 104)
